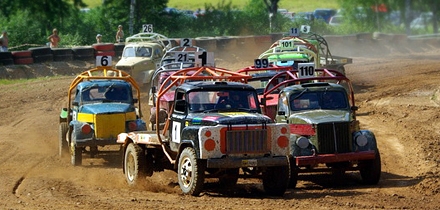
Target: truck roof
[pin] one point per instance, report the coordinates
(214, 85)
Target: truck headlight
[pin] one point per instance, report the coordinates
(302, 142)
(361, 140)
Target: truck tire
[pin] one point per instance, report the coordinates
(293, 174)
(190, 172)
(134, 164)
(63, 145)
(275, 180)
(75, 154)
(370, 170)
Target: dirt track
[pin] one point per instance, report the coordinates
(398, 96)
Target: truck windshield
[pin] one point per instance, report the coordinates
(318, 100)
(112, 93)
(225, 100)
(137, 52)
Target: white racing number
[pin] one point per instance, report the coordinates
(181, 57)
(286, 44)
(103, 60)
(175, 133)
(306, 70)
(186, 42)
(305, 29)
(294, 32)
(261, 63)
(147, 28)
(204, 58)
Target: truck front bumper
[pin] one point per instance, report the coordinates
(94, 142)
(232, 162)
(334, 158)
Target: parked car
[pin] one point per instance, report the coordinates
(324, 14)
(336, 20)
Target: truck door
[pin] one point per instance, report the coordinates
(178, 116)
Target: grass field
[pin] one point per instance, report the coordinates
(291, 5)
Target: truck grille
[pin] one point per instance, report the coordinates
(334, 138)
(108, 126)
(246, 141)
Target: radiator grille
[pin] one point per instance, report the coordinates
(334, 138)
(246, 141)
(108, 126)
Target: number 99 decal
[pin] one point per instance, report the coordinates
(261, 63)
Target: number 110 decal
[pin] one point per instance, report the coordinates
(306, 70)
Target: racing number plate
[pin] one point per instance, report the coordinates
(249, 163)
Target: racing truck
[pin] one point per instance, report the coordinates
(325, 135)
(100, 105)
(214, 129)
(142, 54)
(304, 53)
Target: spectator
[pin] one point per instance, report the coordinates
(4, 42)
(120, 35)
(54, 38)
(98, 38)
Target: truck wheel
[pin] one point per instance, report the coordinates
(63, 145)
(293, 174)
(75, 154)
(190, 172)
(341, 69)
(370, 170)
(93, 151)
(229, 178)
(134, 164)
(275, 180)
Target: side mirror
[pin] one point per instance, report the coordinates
(75, 103)
(263, 101)
(281, 113)
(354, 108)
(135, 100)
(180, 105)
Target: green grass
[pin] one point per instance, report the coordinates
(291, 5)
(92, 3)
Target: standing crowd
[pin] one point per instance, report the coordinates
(54, 39)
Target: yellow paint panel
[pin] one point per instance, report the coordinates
(109, 125)
(83, 117)
(130, 116)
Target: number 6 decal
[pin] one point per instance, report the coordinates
(103, 60)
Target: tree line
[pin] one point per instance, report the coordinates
(31, 22)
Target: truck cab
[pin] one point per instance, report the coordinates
(214, 129)
(324, 132)
(142, 55)
(101, 103)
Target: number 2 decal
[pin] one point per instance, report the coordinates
(186, 42)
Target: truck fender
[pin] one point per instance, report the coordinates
(184, 144)
(371, 140)
(147, 76)
(76, 131)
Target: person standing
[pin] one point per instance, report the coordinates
(99, 38)
(4, 41)
(120, 35)
(54, 38)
